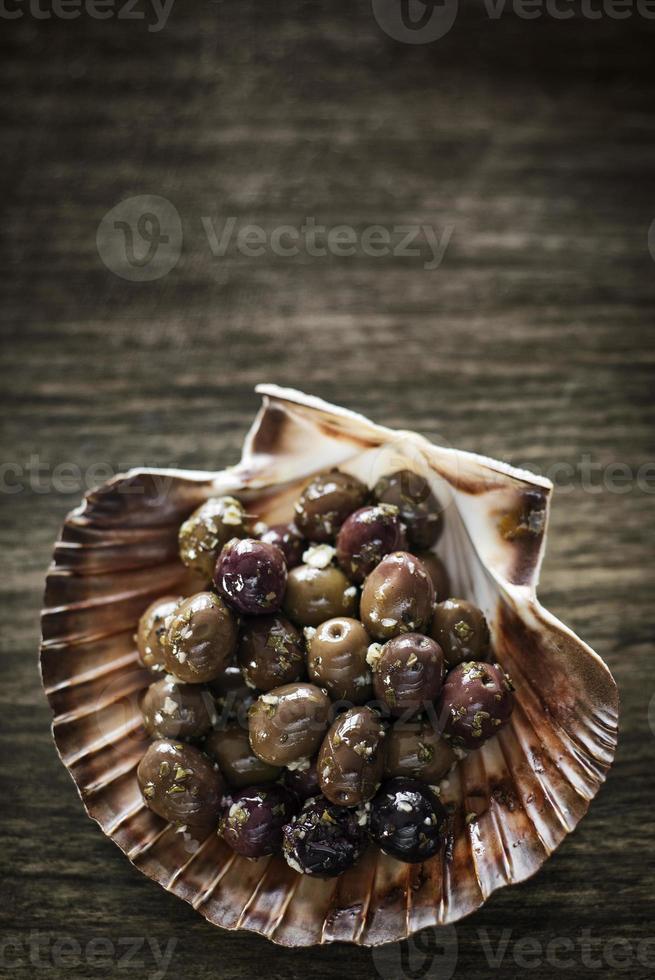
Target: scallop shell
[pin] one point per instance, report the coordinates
(514, 800)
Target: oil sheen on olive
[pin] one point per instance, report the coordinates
(326, 502)
(437, 572)
(251, 576)
(366, 537)
(398, 597)
(420, 511)
(254, 817)
(180, 784)
(200, 639)
(303, 782)
(316, 594)
(151, 629)
(408, 673)
(336, 660)
(211, 526)
(407, 820)
(351, 758)
(230, 747)
(461, 630)
(172, 709)
(324, 840)
(271, 652)
(416, 749)
(476, 701)
(288, 539)
(288, 723)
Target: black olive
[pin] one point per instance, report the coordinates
(366, 537)
(324, 840)
(251, 576)
(420, 511)
(288, 539)
(407, 820)
(476, 702)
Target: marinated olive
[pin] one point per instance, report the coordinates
(288, 539)
(233, 696)
(351, 759)
(476, 701)
(397, 597)
(408, 673)
(288, 723)
(324, 840)
(175, 710)
(316, 594)
(180, 784)
(251, 576)
(230, 747)
(303, 780)
(337, 659)
(437, 572)
(461, 630)
(150, 632)
(271, 652)
(200, 638)
(366, 537)
(416, 749)
(252, 824)
(326, 502)
(407, 820)
(420, 511)
(211, 526)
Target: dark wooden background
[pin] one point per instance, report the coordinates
(533, 342)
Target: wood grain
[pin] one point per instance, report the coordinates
(532, 342)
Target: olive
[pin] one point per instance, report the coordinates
(316, 594)
(150, 632)
(233, 696)
(251, 576)
(461, 630)
(397, 597)
(326, 502)
(408, 673)
(172, 709)
(271, 652)
(288, 539)
(351, 758)
(211, 526)
(337, 659)
(416, 749)
(324, 840)
(303, 780)
(230, 747)
(420, 511)
(200, 638)
(437, 572)
(254, 818)
(288, 723)
(180, 784)
(407, 820)
(366, 537)
(476, 701)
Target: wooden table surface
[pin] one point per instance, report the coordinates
(533, 142)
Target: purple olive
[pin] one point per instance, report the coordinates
(407, 820)
(288, 539)
(476, 701)
(366, 537)
(408, 673)
(303, 782)
(254, 818)
(251, 576)
(324, 840)
(420, 511)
